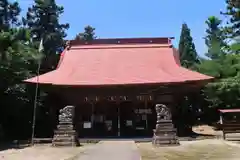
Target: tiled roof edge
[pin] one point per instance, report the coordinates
(153, 40)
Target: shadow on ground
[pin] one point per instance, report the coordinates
(11, 145)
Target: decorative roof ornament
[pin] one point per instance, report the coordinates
(68, 45)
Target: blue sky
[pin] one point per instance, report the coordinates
(138, 18)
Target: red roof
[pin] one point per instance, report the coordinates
(229, 110)
(118, 62)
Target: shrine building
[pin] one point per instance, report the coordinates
(115, 84)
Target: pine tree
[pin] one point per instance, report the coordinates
(233, 11)
(215, 37)
(88, 34)
(223, 64)
(187, 51)
(8, 17)
(43, 21)
(8, 14)
(18, 61)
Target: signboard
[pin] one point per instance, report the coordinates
(164, 98)
(128, 123)
(118, 98)
(143, 111)
(87, 125)
(140, 128)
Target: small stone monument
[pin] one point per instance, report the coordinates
(165, 133)
(65, 135)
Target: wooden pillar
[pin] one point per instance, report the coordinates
(146, 105)
(119, 122)
(221, 123)
(92, 118)
(221, 118)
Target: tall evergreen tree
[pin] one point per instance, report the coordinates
(8, 14)
(233, 11)
(43, 21)
(235, 47)
(222, 65)
(18, 60)
(8, 17)
(188, 59)
(187, 51)
(214, 39)
(233, 27)
(88, 34)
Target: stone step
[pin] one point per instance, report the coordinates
(66, 122)
(65, 127)
(165, 121)
(165, 125)
(69, 132)
(165, 142)
(164, 137)
(64, 144)
(65, 135)
(63, 140)
(62, 137)
(164, 130)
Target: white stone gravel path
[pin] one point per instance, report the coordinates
(42, 152)
(112, 150)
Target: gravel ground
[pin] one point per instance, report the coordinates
(43, 152)
(210, 149)
(194, 150)
(112, 150)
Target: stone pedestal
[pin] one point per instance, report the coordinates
(165, 133)
(66, 135)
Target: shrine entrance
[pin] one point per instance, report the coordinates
(110, 119)
(137, 119)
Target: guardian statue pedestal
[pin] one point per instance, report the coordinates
(165, 133)
(65, 135)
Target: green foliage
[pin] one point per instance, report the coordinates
(19, 62)
(233, 12)
(88, 34)
(43, 22)
(223, 63)
(235, 46)
(8, 14)
(215, 37)
(19, 59)
(187, 51)
(224, 93)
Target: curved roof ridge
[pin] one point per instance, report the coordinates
(146, 40)
(123, 64)
(120, 46)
